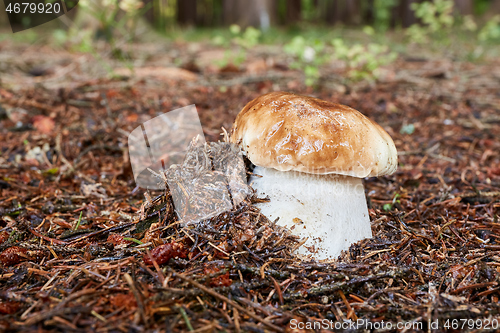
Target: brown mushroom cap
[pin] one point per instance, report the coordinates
(287, 132)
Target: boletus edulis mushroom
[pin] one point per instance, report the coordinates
(310, 156)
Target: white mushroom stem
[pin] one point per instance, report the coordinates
(330, 210)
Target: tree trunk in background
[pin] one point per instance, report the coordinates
(464, 7)
(263, 13)
(186, 12)
(345, 11)
(369, 14)
(403, 15)
(293, 11)
(353, 11)
(332, 12)
(149, 15)
(494, 8)
(256, 13)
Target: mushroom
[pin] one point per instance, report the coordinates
(309, 157)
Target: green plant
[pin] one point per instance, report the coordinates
(308, 56)
(117, 19)
(78, 40)
(362, 62)
(382, 13)
(439, 24)
(243, 40)
(407, 129)
(388, 206)
(220, 40)
(230, 57)
(436, 16)
(248, 39)
(78, 222)
(491, 30)
(130, 239)
(481, 6)
(468, 23)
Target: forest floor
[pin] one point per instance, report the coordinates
(78, 254)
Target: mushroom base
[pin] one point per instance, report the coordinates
(330, 210)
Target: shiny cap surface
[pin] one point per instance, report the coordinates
(286, 132)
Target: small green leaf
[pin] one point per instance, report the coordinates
(369, 30)
(235, 29)
(130, 239)
(52, 171)
(79, 221)
(407, 129)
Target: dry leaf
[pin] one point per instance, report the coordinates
(43, 124)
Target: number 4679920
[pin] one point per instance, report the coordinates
(31, 7)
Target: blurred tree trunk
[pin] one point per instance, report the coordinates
(186, 12)
(149, 15)
(353, 11)
(464, 7)
(161, 13)
(345, 11)
(293, 11)
(256, 13)
(494, 8)
(332, 12)
(403, 14)
(369, 13)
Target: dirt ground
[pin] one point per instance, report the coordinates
(78, 254)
